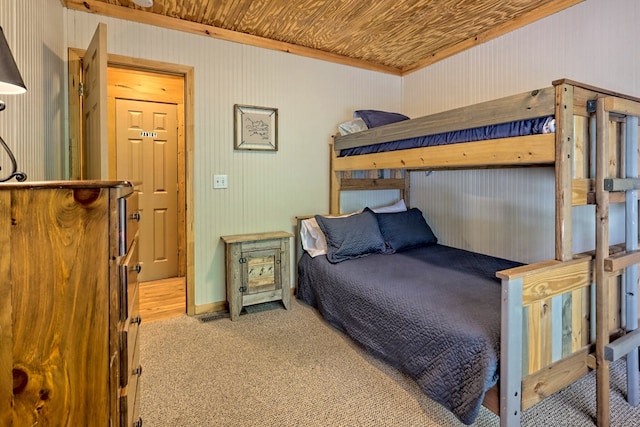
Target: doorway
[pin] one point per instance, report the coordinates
(145, 128)
(160, 84)
(147, 152)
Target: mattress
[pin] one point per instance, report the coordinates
(433, 312)
(527, 127)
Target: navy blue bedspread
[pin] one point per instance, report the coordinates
(504, 130)
(433, 312)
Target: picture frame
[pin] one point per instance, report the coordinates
(255, 128)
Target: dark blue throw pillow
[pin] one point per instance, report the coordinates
(404, 230)
(376, 118)
(352, 236)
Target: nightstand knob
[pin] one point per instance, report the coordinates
(137, 320)
(138, 422)
(242, 289)
(137, 268)
(137, 371)
(136, 216)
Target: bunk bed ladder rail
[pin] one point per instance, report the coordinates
(626, 262)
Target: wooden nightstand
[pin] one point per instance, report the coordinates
(257, 269)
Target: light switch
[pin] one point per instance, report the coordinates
(219, 181)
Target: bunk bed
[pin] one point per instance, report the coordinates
(549, 335)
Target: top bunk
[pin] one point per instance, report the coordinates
(570, 149)
(562, 102)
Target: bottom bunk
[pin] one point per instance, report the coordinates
(444, 333)
(469, 328)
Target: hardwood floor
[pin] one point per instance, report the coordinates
(163, 299)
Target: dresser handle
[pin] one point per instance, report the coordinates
(138, 422)
(137, 320)
(136, 216)
(137, 371)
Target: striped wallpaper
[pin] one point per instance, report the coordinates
(502, 212)
(510, 213)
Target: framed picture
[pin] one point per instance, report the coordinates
(256, 128)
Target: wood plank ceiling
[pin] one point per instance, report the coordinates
(392, 36)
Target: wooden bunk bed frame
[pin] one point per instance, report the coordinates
(552, 300)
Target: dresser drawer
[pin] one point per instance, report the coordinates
(129, 219)
(129, 397)
(129, 269)
(130, 409)
(132, 332)
(129, 357)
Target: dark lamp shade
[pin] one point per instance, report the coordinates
(10, 79)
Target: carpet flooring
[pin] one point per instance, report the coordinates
(277, 367)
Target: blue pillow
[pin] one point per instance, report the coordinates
(405, 230)
(375, 118)
(352, 236)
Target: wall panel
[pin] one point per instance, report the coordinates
(266, 189)
(33, 123)
(510, 213)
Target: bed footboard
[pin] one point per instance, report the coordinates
(545, 331)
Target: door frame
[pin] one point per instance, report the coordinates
(185, 156)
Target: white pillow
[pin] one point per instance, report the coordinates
(312, 238)
(398, 206)
(352, 126)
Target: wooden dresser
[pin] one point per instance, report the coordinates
(69, 312)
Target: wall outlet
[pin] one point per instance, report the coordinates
(219, 181)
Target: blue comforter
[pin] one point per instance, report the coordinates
(433, 312)
(503, 130)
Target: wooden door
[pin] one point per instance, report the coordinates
(147, 152)
(96, 143)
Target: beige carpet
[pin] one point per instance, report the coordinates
(289, 368)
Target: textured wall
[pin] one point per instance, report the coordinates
(266, 189)
(510, 213)
(33, 123)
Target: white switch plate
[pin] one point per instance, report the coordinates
(219, 181)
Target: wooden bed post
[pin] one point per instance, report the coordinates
(626, 262)
(334, 183)
(564, 171)
(602, 279)
(511, 352)
(631, 277)
(406, 193)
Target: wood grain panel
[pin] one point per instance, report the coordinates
(388, 35)
(567, 277)
(552, 378)
(6, 334)
(64, 372)
(525, 150)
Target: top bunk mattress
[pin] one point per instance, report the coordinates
(534, 126)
